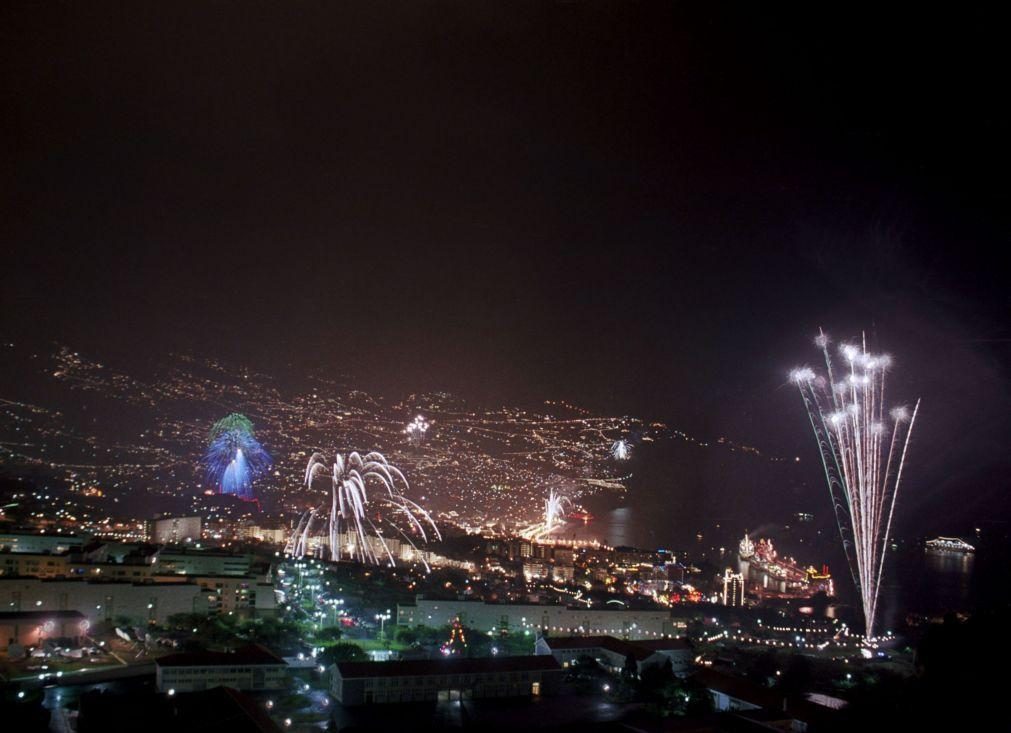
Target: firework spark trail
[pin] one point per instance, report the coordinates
(349, 504)
(858, 456)
(554, 505)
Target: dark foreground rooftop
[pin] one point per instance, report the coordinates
(252, 654)
(451, 665)
(219, 709)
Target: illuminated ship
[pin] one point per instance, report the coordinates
(770, 574)
(949, 544)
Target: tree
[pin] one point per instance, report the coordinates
(764, 668)
(406, 635)
(796, 677)
(680, 697)
(185, 621)
(656, 676)
(631, 668)
(342, 652)
(330, 633)
(698, 701)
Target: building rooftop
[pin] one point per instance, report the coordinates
(420, 667)
(503, 603)
(662, 645)
(41, 615)
(775, 706)
(174, 550)
(252, 654)
(30, 533)
(217, 709)
(640, 650)
(102, 581)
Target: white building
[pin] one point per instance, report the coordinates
(443, 680)
(733, 588)
(173, 530)
(201, 562)
(252, 667)
(39, 543)
(103, 601)
(557, 620)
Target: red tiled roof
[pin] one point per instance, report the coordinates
(663, 645)
(610, 643)
(420, 667)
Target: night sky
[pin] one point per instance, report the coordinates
(645, 208)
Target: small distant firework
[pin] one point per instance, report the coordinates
(355, 518)
(234, 457)
(863, 451)
(554, 506)
(621, 450)
(416, 431)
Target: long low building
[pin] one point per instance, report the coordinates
(246, 595)
(103, 601)
(252, 667)
(505, 617)
(34, 564)
(202, 562)
(38, 543)
(365, 683)
(136, 568)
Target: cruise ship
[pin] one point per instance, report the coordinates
(949, 544)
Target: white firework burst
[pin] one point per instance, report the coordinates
(358, 513)
(554, 507)
(621, 450)
(863, 450)
(416, 431)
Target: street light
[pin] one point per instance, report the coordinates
(382, 618)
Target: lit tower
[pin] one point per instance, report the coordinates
(733, 588)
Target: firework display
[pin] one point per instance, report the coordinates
(234, 457)
(863, 448)
(554, 506)
(358, 519)
(416, 430)
(621, 450)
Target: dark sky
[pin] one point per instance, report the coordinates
(643, 207)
